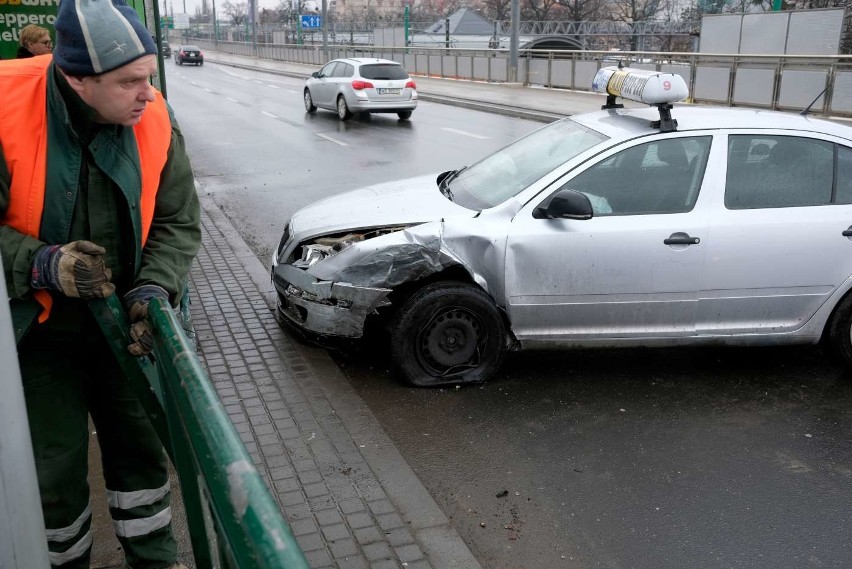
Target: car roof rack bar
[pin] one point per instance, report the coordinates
(666, 122)
(611, 104)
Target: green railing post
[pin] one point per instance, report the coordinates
(407, 24)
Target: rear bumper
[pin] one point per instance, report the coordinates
(382, 106)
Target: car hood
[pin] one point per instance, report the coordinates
(401, 202)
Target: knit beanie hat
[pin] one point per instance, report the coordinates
(96, 36)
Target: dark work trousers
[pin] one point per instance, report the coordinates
(66, 377)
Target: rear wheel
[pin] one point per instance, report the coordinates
(404, 115)
(840, 333)
(343, 112)
(447, 332)
(309, 102)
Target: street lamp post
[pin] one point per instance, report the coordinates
(325, 27)
(253, 15)
(513, 42)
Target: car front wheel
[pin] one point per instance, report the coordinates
(309, 102)
(343, 112)
(447, 332)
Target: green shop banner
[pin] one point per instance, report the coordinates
(15, 15)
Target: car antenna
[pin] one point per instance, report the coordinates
(804, 112)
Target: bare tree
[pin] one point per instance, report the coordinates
(432, 10)
(738, 6)
(634, 11)
(237, 12)
(202, 13)
(497, 9)
(581, 10)
(540, 10)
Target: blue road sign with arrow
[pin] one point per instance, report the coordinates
(311, 21)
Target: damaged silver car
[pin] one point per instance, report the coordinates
(624, 227)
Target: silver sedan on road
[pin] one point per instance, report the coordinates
(623, 227)
(360, 84)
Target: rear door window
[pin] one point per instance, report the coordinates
(844, 175)
(381, 71)
(768, 171)
(343, 70)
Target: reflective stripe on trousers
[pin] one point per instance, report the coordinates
(142, 526)
(60, 535)
(77, 550)
(127, 500)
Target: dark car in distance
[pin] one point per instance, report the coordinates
(165, 48)
(189, 54)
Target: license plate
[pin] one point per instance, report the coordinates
(386, 91)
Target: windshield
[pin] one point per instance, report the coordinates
(507, 172)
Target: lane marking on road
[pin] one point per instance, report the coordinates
(232, 74)
(209, 90)
(330, 139)
(290, 91)
(465, 133)
(269, 114)
(193, 83)
(232, 100)
(291, 123)
(271, 86)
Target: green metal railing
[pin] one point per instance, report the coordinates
(233, 520)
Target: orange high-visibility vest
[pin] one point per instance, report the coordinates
(23, 137)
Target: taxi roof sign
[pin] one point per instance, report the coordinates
(641, 85)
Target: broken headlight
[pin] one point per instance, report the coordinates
(323, 247)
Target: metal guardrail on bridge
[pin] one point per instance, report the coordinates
(777, 82)
(233, 520)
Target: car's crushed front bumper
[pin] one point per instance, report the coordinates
(325, 308)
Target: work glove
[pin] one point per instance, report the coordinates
(136, 302)
(76, 270)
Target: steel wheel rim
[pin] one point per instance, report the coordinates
(451, 342)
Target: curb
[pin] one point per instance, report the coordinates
(440, 542)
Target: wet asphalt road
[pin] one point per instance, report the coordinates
(639, 458)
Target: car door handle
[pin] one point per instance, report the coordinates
(681, 239)
(848, 232)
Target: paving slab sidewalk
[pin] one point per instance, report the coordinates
(350, 498)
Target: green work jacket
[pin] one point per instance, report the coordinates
(88, 196)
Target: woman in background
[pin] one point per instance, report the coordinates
(35, 40)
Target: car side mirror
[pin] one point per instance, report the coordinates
(315, 74)
(565, 204)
